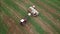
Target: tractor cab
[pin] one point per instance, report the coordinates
(23, 21)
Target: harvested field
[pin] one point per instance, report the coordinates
(48, 21)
